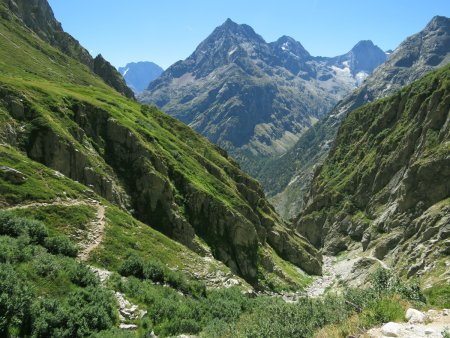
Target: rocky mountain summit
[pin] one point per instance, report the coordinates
(255, 98)
(38, 16)
(138, 75)
(417, 55)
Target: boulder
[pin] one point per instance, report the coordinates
(128, 326)
(12, 175)
(391, 329)
(414, 316)
(17, 110)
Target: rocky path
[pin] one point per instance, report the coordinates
(128, 312)
(352, 269)
(432, 324)
(96, 229)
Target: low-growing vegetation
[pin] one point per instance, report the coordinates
(45, 292)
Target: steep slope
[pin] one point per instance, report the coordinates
(38, 16)
(385, 186)
(255, 98)
(286, 179)
(138, 75)
(58, 113)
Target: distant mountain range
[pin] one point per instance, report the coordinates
(138, 75)
(255, 98)
(286, 179)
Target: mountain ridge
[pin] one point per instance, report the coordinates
(138, 75)
(213, 91)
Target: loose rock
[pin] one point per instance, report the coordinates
(391, 329)
(414, 316)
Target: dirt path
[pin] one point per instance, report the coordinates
(96, 229)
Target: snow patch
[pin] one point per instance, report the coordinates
(360, 77)
(125, 72)
(231, 52)
(295, 179)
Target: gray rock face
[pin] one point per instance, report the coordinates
(138, 75)
(12, 175)
(255, 98)
(417, 55)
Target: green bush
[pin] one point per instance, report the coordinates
(439, 295)
(61, 245)
(14, 226)
(87, 311)
(386, 309)
(154, 271)
(81, 275)
(132, 266)
(46, 265)
(10, 225)
(15, 300)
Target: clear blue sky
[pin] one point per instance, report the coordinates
(166, 31)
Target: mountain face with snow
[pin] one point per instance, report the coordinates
(286, 179)
(138, 75)
(255, 98)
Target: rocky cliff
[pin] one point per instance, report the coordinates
(255, 98)
(385, 185)
(38, 16)
(155, 168)
(286, 179)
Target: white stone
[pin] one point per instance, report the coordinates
(414, 316)
(391, 329)
(429, 331)
(128, 326)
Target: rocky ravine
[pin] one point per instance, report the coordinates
(385, 187)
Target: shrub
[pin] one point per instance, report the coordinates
(10, 225)
(89, 310)
(61, 245)
(46, 265)
(37, 231)
(132, 266)
(383, 310)
(15, 300)
(14, 226)
(81, 275)
(154, 271)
